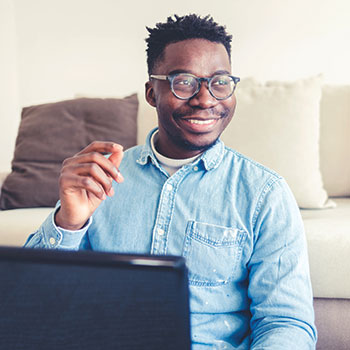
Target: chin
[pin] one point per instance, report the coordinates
(197, 146)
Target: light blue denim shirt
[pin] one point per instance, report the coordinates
(239, 228)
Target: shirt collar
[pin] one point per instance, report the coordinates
(211, 158)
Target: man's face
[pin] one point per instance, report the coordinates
(188, 127)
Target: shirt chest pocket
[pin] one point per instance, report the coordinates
(212, 253)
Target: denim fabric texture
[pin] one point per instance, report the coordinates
(239, 228)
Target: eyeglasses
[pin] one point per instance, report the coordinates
(184, 86)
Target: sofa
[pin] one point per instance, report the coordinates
(301, 129)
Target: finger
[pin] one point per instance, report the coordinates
(71, 182)
(101, 147)
(94, 171)
(73, 163)
(116, 158)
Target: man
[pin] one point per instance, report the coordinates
(235, 221)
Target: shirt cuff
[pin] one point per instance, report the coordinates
(57, 237)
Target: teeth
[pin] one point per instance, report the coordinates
(201, 122)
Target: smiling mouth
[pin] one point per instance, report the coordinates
(198, 125)
(201, 122)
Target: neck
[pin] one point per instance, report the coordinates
(175, 151)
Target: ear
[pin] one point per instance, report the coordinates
(149, 94)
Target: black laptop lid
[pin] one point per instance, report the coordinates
(89, 300)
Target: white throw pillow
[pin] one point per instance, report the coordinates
(278, 125)
(146, 118)
(335, 139)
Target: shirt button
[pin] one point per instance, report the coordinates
(195, 168)
(160, 232)
(169, 187)
(52, 240)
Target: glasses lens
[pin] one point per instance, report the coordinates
(222, 86)
(184, 85)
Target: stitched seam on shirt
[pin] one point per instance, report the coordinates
(167, 224)
(240, 155)
(171, 212)
(213, 243)
(265, 189)
(216, 159)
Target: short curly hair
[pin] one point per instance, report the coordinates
(182, 28)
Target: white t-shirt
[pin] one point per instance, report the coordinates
(169, 164)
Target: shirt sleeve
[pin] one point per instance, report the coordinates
(279, 279)
(53, 237)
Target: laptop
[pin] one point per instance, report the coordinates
(51, 299)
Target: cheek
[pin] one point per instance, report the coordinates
(232, 101)
(166, 104)
(231, 105)
(163, 110)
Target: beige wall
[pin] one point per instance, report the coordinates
(9, 101)
(53, 49)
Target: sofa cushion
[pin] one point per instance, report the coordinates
(49, 133)
(328, 237)
(335, 139)
(16, 225)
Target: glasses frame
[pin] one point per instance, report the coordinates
(171, 78)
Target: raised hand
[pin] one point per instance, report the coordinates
(85, 181)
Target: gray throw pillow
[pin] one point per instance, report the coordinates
(50, 133)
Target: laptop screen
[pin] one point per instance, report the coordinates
(53, 299)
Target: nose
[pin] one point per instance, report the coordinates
(203, 99)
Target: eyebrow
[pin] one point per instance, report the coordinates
(177, 71)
